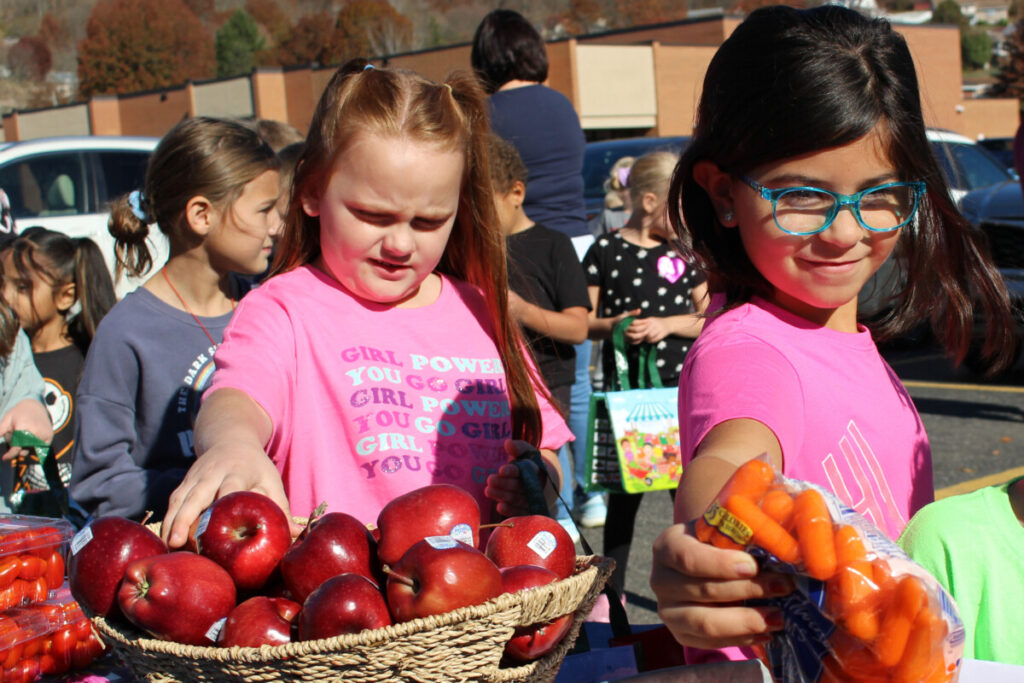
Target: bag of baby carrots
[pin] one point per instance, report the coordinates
(862, 612)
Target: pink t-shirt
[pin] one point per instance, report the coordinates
(841, 415)
(370, 401)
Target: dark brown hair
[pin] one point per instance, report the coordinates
(453, 116)
(506, 165)
(506, 47)
(790, 82)
(60, 260)
(201, 156)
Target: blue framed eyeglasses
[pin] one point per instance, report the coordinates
(810, 210)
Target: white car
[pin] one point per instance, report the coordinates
(66, 184)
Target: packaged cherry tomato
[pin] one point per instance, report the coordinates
(46, 639)
(32, 555)
(862, 610)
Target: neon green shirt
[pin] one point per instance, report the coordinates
(974, 545)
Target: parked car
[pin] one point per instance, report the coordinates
(967, 165)
(66, 184)
(600, 156)
(1002, 149)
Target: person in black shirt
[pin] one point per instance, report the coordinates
(548, 292)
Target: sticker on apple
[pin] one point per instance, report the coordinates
(204, 521)
(215, 630)
(462, 532)
(543, 543)
(441, 542)
(81, 540)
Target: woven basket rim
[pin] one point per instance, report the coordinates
(587, 567)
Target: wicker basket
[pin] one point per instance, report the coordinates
(463, 645)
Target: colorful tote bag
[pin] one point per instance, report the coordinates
(633, 433)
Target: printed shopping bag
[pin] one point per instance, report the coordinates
(633, 434)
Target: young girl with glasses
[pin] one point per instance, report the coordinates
(805, 173)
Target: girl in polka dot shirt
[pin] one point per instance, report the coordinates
(635, 272)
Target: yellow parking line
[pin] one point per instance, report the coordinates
(964, 387)
(980, 482)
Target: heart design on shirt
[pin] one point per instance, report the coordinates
(671, 267)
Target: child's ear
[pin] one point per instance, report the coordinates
(310, 204)
(64, 297)
(200, 214)
(650, 202)
(718, 184)
(518, 190)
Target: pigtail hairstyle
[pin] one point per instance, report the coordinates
(8, 330)
(60, 260)
(200, 156)
(834, 75)
(360, 100)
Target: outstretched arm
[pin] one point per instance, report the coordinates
(231, 433)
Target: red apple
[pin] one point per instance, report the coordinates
(336, 543)
(178, 596)
(435, 510)
(439, 574)
(100, 552)
(348, 603)
(533, 539)
(531, 642)
(259, 621)
(246, 533)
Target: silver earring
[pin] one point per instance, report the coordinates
(727, 217)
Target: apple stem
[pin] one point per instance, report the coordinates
(401, 578)
(317, 513)
(149, 513)
(510, 525)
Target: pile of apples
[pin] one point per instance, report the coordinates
(243, 581)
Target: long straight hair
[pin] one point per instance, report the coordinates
(453, 116)
(790, 82)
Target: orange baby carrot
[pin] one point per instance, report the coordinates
(703, 531)
(921, 656)
(849, 546)
(766, 532)
(814, 533)
(751, 479)
(907, 600)
(778, 505)
(855, 661)
(853, 600)
(720, 540)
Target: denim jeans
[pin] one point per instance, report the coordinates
(579, 409)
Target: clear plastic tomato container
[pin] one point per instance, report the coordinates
(33, 551)
(46, 639)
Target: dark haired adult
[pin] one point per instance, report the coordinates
(805, 173)
(510, 59)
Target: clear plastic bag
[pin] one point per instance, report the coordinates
(862, 610)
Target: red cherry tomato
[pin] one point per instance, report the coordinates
(54, 569)
(63, 645)
(13, 656)
(47, 665)
(10, 567)
(32, 567)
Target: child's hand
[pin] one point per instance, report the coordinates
(214, 475)
(31, 416)
(516, 306)
(650, 330)
(699, 588)
(506, 486)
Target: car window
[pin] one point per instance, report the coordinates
(45, 185)
(120, 172)
(600, 157)
(968, 167)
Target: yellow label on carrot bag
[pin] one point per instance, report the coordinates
(730, 525)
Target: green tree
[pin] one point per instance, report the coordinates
(948, 12)
(133, 45)
(236, 45)
(975, 48)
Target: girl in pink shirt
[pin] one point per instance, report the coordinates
(808, 168)
(380, 355)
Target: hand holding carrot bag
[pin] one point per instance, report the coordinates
(862, 610)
